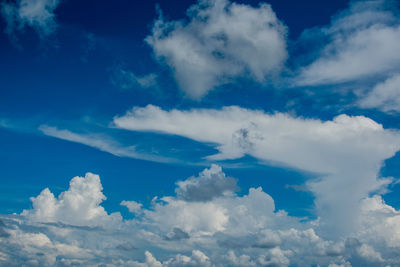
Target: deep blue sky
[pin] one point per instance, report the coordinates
(65, 80)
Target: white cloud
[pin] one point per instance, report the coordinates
(37, 14)
(228, 230)
(347, 151)
(79, 205)
(221, 41)
(211, 183)
(362, 44)
(369, 253)
(384, 96)
(132, 206)
(278, 137)
(101, 142)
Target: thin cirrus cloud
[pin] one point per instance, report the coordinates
(125, 79)
(226, 230)
(101, 142)
(347, 151)
(220, 42)
(37, 14)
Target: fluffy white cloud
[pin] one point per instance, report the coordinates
(211, 183)
(347, 151)
(227, 230)
(384, 96)
(221, 41)
(38, 14)
(132, 206)
(79, 205)
(362, 43)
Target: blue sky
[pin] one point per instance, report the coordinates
(195, 126)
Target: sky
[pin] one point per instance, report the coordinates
(199, 133)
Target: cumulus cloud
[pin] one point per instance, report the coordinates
(79, 205)
(37, 14)
(228, 230)
(211, 183)
(362, 43)
(384, 96)
(221, 41)
(347, 151)
(132, 206)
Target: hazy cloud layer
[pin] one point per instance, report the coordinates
(221, 41)
(37, 14)
(125, 79)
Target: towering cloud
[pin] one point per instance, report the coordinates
(347, 152)
(79, 205)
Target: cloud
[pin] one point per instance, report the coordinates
(347, 152)
(176, 234)
(125, 79)
(101, 142)
(362, 43)
(278, 137)
(211, 183)
(79, 205)
(384, 96)
(133, 206)
(228, 230)
(37, 14)
(221, 41)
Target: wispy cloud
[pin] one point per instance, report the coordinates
(101, 142)
(125, 79)
(362, 44)
(384, 96)
(37, 14)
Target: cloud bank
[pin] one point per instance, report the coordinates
(221, 41)
(226, 230)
